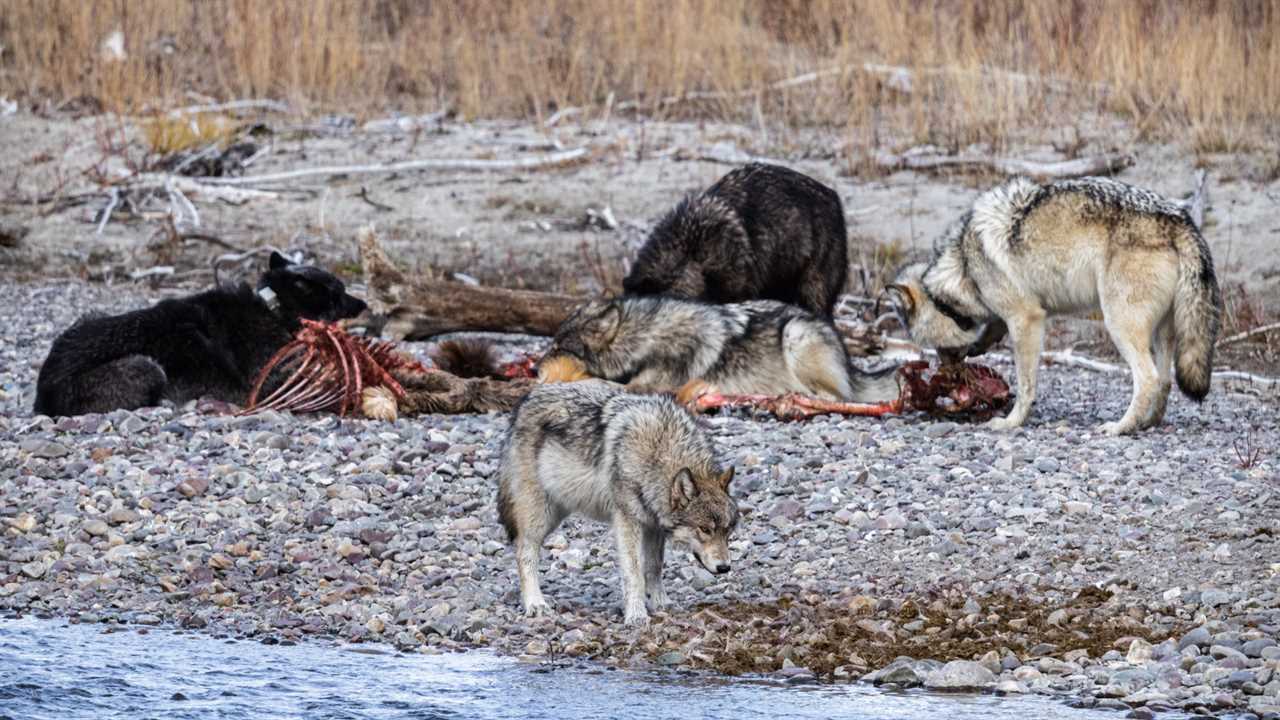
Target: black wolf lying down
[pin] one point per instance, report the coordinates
(212, 343)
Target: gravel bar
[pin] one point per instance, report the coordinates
(1137, 573)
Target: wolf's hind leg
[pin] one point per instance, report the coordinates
(817, 360)
(1131, 331)
(1162, 349)
(630, 537)
(1027, 333)
(536, 518)
(128, 383)
(655, 543)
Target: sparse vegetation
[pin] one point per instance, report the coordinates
(167, 134)
(1207, 74)
(1248, 453)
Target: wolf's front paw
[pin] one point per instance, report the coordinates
(656, 600)
(1113, 428)
(537, 608)
(1002, 423)
(638, 618)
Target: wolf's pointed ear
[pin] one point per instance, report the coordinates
(603, 328)
(278, 261)
(726, 477)
(683, 489)
(905, 298)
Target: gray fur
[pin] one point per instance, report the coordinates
(639, 462)
(762, 347)
(1026, 251)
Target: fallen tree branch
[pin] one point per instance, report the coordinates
(156, 271)
(1199, 199)
(364, 195)
(418, 308)
(248, 104)
(561, 114)
(406, 124)
(1099, 165)
(529, 163)
(725, 153)
(895, 77)
(1241, 337)
(1067, 357)
(1247, 377)
(199, 188)
(112, 201)
(211, 239)
(438, 307)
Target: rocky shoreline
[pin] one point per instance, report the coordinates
(1138, 573)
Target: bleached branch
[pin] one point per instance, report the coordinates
(1054, 170)
(528, 163)
(1241, 337)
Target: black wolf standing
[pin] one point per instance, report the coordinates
(760, 232)
(212, 343)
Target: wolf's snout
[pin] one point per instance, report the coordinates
(352, 306)
(722, 568)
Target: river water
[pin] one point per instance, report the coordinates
(53, 670)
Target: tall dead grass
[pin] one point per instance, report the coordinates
(1205, 72)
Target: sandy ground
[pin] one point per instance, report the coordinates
(497, 226)
(540, 228)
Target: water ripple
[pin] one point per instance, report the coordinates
(50, 670)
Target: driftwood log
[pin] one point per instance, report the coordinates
(1198, 201)
(1107, 164)
(525, 163)
(420, 308)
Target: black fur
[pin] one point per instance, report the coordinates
(760, 232)
(209, 344)
(467, 359)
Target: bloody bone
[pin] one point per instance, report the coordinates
(525, 367)
(968, 388)
(795, 406)
(328, 370)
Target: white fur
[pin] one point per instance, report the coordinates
(994, 215)
(986, 273)
(575, 485)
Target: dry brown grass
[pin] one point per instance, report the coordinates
(1203, 72)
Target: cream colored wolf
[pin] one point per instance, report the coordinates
(640, 463)
(1027, 251)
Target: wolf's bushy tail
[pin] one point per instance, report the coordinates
(1197, 311)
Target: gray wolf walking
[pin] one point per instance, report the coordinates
(1025, 251)
(639, 462)
(660, 344)
(760, 232)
